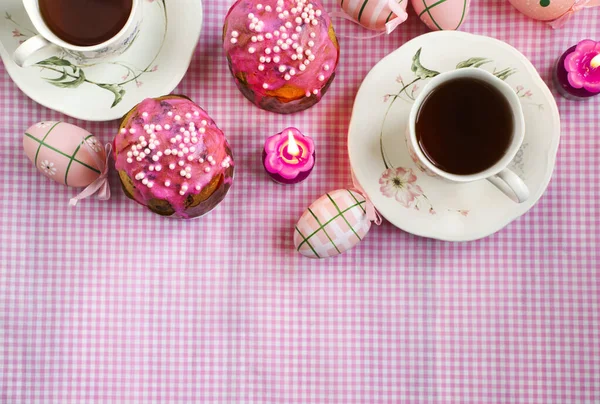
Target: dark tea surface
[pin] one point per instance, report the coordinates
(85, 22)
(464, 126)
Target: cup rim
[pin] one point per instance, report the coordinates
(44, 31)
(507, 92)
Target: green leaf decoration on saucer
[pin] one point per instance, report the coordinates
(473, 62)
(418, 69)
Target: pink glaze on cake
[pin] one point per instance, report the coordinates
(171, 150)
(280, 49)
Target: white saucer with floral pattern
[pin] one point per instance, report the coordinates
(401, 191)
(107, 89)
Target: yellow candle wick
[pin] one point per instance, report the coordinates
(595, 63)
(292, 147)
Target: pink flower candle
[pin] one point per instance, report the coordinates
(577, 74)
(289, 156)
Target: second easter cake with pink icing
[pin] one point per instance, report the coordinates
(172, 158)
(282, 53)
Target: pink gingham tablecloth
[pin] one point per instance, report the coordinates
(107, 302)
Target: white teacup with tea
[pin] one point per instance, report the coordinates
(86, 30)
(467, 125)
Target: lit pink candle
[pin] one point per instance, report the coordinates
(289, 156)
(577, 74)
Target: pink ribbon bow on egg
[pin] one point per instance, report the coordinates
(100, 185)
(400, 16)
(579, 5)
(372, 213)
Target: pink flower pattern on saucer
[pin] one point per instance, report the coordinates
(400, 183)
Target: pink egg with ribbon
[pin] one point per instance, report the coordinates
(558, 12)
(543, 10)
(377, 15)
(333, 224)
(63, 153)
(442, 15)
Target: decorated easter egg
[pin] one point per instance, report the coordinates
(378, 15)
(442, 15)
(543, 10)
(334, 223)
(64, 153)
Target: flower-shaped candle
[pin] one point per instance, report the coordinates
(577, 73)
(289, 156)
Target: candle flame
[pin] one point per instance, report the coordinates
(292, 147)
(595, 63)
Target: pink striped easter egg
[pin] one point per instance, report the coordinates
(442, 14)
(63, 152)
(376, 14)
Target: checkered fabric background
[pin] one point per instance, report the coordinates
(107, 302)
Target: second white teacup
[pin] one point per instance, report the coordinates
(27, 52)
(497, 173)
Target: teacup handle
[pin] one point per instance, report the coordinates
(511, 184)
(28, 48)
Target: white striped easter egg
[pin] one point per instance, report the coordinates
(375, 14)
(442, 14)
(334, 223)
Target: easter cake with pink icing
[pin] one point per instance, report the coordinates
(282, 53)
(172, 158)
